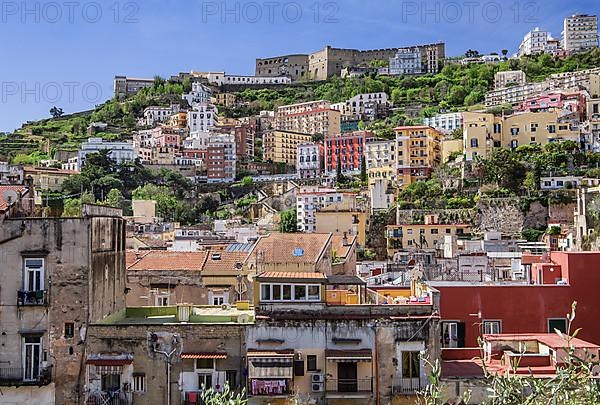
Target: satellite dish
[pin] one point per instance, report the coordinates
(243, 318)
(239, 265)
(10, 196)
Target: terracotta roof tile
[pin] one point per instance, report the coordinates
(291, 247)
(337, 243)
(226, 260)
(18, 189)
(165, 260)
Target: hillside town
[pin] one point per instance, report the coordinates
(384, 226)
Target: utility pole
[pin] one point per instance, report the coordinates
(168, 356)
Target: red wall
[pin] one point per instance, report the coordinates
(526, 308)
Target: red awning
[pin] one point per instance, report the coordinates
(203, 355)
(109, 362)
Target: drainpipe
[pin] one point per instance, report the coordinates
(376, 361)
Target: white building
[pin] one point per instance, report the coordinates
(200, 95)
(534, 42)
(119, 151)
(154, 114)
(407, 61)
(202, 118)
(381, 195)
(560, 182)
(220, 78)
(580, 32)
(72, 164)
(365, 106)
(445, 123)
(308, 160)
(311, 199)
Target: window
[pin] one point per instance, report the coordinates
(111, 382)
(139, 383)
(205, 364)
(205, 381)
(69, 330)
(290, 292)
(33, 279)
(32, 348)
(410, 365)
(311, 362)
(491, 327)
(474, 142)
(162, 300)
(453, 334)
(231, 378)
(557, 323)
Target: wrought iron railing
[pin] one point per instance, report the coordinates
(358, 385)
(407, 386)
(32, 298)
(16, 376)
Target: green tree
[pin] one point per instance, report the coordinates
(289, 221)
(115, 199)
(363, 169)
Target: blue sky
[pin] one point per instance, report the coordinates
(67, 53)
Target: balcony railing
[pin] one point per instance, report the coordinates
(406, 386)
(119, 397)
(32, 298)
(349, 386)
(15, 376)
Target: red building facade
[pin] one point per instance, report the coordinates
(347, 149)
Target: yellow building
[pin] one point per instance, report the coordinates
(418, 152)
(483, 132)
(178, 120)
(313, 117)
(429, 235)
(281, 146)
(450, 146)
(380, 157)
(225, 99)
(47, 178)
(348, 222)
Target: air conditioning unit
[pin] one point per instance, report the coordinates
(317, 387)
(316, 378)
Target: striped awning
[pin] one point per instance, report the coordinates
(204, 355)
(105, 370)
(347, 356)
(107, 360)
(271, 354)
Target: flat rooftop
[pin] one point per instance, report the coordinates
(169, 315)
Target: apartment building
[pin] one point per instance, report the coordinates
(309, 160)
(568, 105)
(126, 86)
(311, 199)
(59, 276)
(322, 342)
(445, 123)
(47, 178)
(482, 131)
(156, 114)
(363, 107)
(313, 117)
(119, 151)
(282, 146)
(199, 95)
(202, 118)
(418, 151)
(509, 77)
(534, 42)
(580, 32)
(221, 159)
(380, 158)
(292, 66)
(420, 59)
(347, 150)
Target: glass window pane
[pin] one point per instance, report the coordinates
(276, 292)
(287, 292)
(266, 292)
(314, 292)
(299, 292)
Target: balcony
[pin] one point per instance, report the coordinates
(349, 388)
(119, 397)
(32, 298)
(406, 386)
(14, 377)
